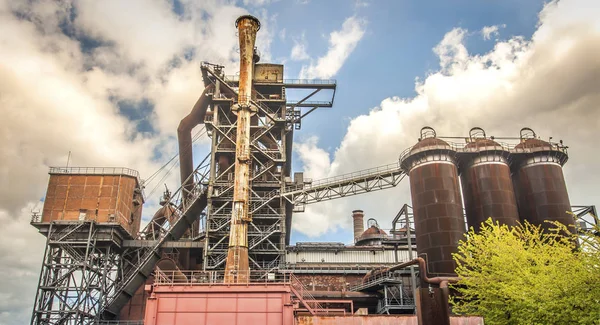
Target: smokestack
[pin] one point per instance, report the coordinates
(237, 268)
(358, 222)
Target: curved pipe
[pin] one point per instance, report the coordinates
(165, 213)
(442, 281)
(184, 137)
(170, 269)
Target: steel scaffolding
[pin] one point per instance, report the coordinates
(272, 130)
(79, 271)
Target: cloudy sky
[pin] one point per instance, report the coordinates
(109, 81)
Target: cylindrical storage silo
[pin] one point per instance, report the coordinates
(539, 182)
(486, 182)
(436, 200)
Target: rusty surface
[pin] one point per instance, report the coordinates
(437, 208)
(488, 192)
(542, 194)
(432, 306)
(428, 142)
(374, 231)
(237, 265)
(532, 143)
(328, 282)
(165, 213)
(358, 223)
(268, 72)
(102, 198)
(372, 236)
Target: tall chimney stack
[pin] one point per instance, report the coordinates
(237, 268)
(358, 222)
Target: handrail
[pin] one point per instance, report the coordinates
(465, 148)
(194, 277)
(236, 78)
(310, 103)
(95, 171)
(304, 295)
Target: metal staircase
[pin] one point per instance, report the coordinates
(188, 204)
(304, 296)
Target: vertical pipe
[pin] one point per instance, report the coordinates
(413, 279)
(237, 267)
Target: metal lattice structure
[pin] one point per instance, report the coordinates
(89, 272)
(368, 180)
(139, 261)
(271, 137)
(79, 272)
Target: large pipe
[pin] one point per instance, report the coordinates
(184, 137)
(237, 268)
(442, 281)
(165, 213)
(169, 268)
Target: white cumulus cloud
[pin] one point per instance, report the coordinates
(341, 44)
(299, 49)
(66, 69)
(550, 83)
(488, 31)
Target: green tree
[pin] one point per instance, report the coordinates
(523, 275)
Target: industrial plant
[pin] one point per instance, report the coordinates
(218, 250)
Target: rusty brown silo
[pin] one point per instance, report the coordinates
(539, 181)
(486, 182)
(436, 200)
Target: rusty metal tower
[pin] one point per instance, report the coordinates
(236, 266)
(251, 124)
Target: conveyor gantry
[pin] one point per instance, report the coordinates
(368, 180)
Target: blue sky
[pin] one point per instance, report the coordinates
(396, 48)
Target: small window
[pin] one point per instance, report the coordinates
(82, 214)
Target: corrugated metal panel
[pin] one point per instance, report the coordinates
(347, 257)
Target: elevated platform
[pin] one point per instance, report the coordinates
(73, 232)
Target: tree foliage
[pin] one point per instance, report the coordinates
(523, 275)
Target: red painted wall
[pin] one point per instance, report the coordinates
(219, 304)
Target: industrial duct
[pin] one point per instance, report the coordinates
(171, 271)
(184, 137)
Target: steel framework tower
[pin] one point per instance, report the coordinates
(271, 136)
(80, 270)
